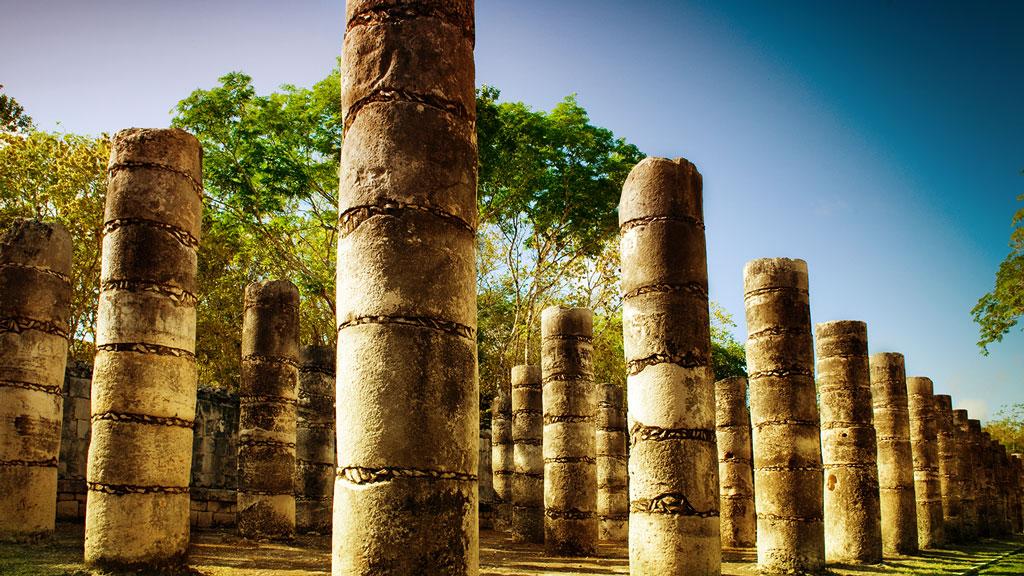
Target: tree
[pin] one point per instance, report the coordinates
(1008, 427)
(62, 177)
(12, 115)
(998, 311)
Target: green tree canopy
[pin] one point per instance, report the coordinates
(12, 115)
(997, 312)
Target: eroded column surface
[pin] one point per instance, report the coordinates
(949, 473)
(267, 410)
(314, 440)
(502, 465)
(35, 284)
(924, 445)
(735, 464)
(527, 509)
(408, 397)
(965, 477)
(612, 464)
(895, 456)
(673, 461)
(981, 475)
(570, 432)
(853, 531)
(144, 375)
(485, 477)
(784, 413)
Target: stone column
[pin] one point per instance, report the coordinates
(314, 440)
(501, 459)
(853, 531)
(144, 375)
(735, 464)
(965, 478)
(895, 456)
(35, 283)
(408, 397)
(784, 411)
(267, 418)
(612, 469)
(570, 431)
(949, 474)
(527, 519)
(673, 470)
(485, 478)
(981, 477)
(924, 444)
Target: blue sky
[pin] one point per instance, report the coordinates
(880, 141)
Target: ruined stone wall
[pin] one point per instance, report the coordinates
(76, 429)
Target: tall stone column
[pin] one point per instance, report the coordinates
(570, 431)
(314, 440)
(408, 398)
(35, 306)
(924, 444)
(267, 410)
(949, 473)
(981, 477)
(527, 519)
(735, 464)
(895, 456)
(853, 531)
(612, 464)
(144, 375)
(502, 465)
(966, 478)
(485, 478)
(673, 461)
(784, 411)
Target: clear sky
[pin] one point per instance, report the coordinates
(880, 141)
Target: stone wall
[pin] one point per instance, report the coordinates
(214, 467)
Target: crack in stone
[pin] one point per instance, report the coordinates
(673, 503)
(569, 338)
(786, 422)
(264, 359)
(568, 514)
(566, 418)
(568, 377)
(788, 469)
(48, 463)
(183, 237)
(124, 165)
(52, 390)
(266, 399)
(266, 492)
(134, 418)
(173, 293)
(534, 475)
(637, 222)
(446, 326)
(392, 95)
(262, 443)
(639, 433)
(353, 217)
(570, 460)
(396, 14)
(780, 373)
(689, 359)
(19, 324)
(361, 475)
(40, 269)
(307, 369)
(774, 289)
(778, 331)
(122, 489)
(146, 348)
(777, 518)
(692, 288)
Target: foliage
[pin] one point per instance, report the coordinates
(1008, 427)
(62, 177)
(12, 115)
(998, 311)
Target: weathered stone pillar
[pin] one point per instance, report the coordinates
(981, 477)
(966, 477)
(735, 464)
(408, 398)
(1001, 513)
(612, 464)
(267, 418)
(784, 411)
(853, 531)
(527, 519)
(924, 444)
(1017, 461)
(144, 375)
(485, 478)
(895, 456)
(35, 305)
(314, 440)
(570, 431)
(673, 471)
(949, 474)
(502, 464)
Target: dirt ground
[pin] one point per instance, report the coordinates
(223, 553)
